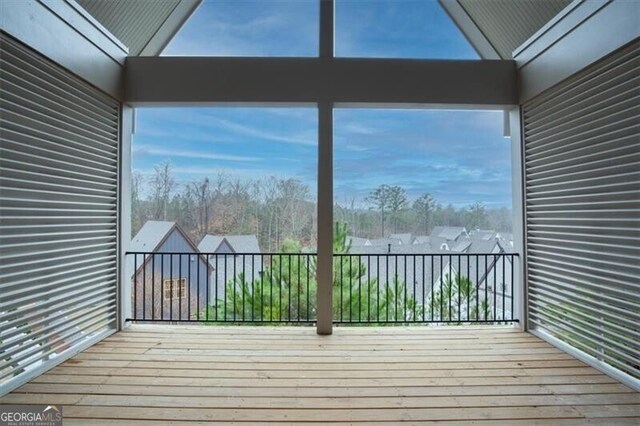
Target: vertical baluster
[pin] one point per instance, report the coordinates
(495, 289)
(359, 288)
(207, 278)
(135, 285)
(395, 285)
(350, 290)
(215, 288)
(424, 284)
(308, 279)
(511, 317)
(368, 288)
(280, 288)
(289, 291)
(153, 286)
(441, 289)
(144, 285)
(414, 288)
(253, 279)
(459, 280)
(242, 282)
(503, 259)
(299, 285)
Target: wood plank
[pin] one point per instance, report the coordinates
(612, 421)
(306, 392)
(276, 365)
(160, 374)
(322, 359)
(328, 374)
(304, 415)
(322, 382)
(358, 402)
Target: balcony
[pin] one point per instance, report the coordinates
(157, 374)
(545, 335)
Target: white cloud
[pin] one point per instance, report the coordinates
(142, 149)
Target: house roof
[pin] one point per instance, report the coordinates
(450, 233)
(144, 27)
(496, 28)
(152, 233)
(237, 243)
(485, 235)
(404, 238)
(151, 236)
(358, 241)
(421, 239)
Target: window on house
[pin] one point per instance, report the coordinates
(175, 289)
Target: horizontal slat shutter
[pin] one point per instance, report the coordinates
(582, 179)
(58, 201)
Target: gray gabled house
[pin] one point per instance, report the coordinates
(231, 256)
(167, 285)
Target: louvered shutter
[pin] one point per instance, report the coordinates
(58, 201)
(582, 180)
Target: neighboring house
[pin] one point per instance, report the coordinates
(166, 285)
(231, 256)
(421, 239)
(403, 238)
(448, 233)
(423, 269)
(358, 241)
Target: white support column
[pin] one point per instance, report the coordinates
(125, 271)
(518, 212)
(325, 184)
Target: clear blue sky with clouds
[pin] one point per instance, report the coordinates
(458, 156)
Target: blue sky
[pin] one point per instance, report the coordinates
(459, 156)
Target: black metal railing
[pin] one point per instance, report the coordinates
(223, 287)
(424, 288)
(282, 287)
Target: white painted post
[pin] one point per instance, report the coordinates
(518, 212)
(124, 216)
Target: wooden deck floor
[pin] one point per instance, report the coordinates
(286, 375)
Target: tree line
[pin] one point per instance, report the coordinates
(277, 208)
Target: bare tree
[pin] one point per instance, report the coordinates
(201, 191)
(162, 185)
(137, 215)
(424, 206)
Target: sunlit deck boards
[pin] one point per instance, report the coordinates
(285, 375)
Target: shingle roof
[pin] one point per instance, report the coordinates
(421, 239)
(151, 235)
(238, 243)
(450, 233)
(404, 238)
(483, 235)
(358, 241)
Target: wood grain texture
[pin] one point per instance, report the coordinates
(152, 375)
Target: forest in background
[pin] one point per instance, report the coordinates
(276, 208)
